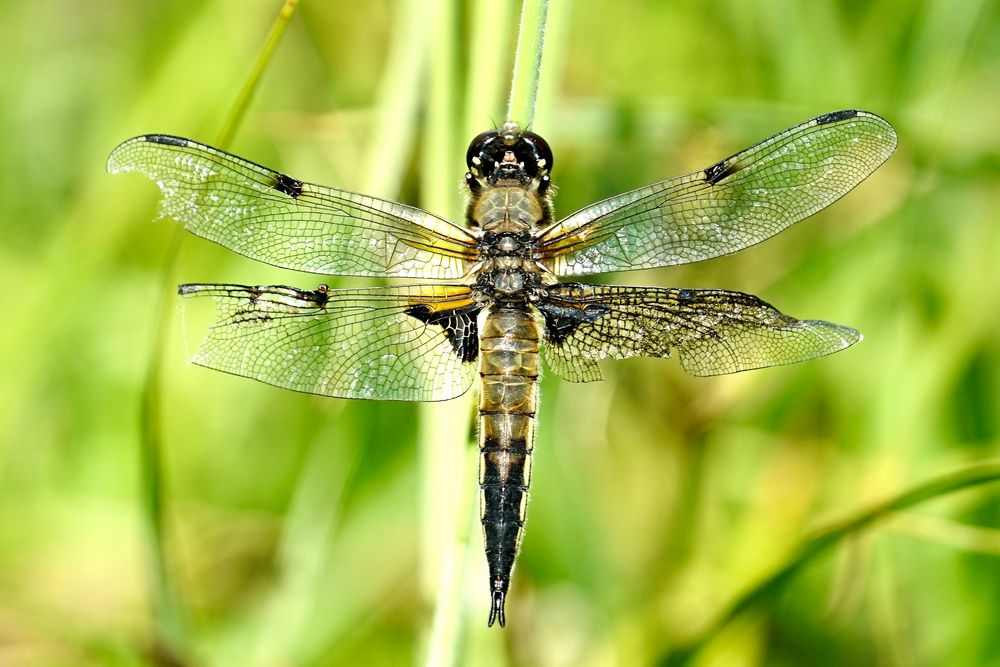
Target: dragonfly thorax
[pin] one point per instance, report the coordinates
(515, 244)
(509, 282)
(511, 278)
(508, 269)
(512, 210)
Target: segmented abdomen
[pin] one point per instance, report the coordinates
(508, 364)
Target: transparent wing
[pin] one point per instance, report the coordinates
(714, 331)
(413, 343)
(274, 218)
(729, 206)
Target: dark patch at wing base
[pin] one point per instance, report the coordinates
(561, 321)
(714, 332)
(345, 343)
(460, 326)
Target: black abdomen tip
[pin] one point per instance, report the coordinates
(497, 610)
(499, 587)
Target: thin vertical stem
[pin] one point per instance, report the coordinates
(527, 63)
(245, 96)
(287, 618)
(443, 471)
(397, 100)
(557, 22)
(169, 619)
(484, 86)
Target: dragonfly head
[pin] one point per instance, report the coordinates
(508, 156)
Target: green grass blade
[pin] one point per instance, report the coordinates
(397, 99)
(283, 625)
(485, 81)
(949, 534)
(245, 96)
(527, 63)
(171, 629)
(829, 536)
(444, 477)
(557, 32)
(169, 620)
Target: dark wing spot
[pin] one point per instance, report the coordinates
(562, 320)
(835, 116)
(166, 139)
(288, 185)
(719, 171)
(460, 326)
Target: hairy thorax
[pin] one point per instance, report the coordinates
(509, 216)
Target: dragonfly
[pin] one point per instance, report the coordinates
(488, 302)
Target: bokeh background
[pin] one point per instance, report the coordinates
(305, 531)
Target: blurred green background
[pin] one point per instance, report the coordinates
(309, 531)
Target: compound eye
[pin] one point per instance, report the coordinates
(478, 147)
(541, 152)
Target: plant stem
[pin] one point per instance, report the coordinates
(442, 447)
(169, 619)
(396, 102)
(485, 82)
(286, 625)
(527, 63)
(245, 96)
(828, 536)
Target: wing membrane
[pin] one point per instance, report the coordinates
(413, 343)
(274, 218)
(714, 331)
(729, 206)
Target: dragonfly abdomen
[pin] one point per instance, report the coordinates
(508, 366)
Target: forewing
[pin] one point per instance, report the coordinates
(274, 218)
(413, 343)
(714, 331)
(729, 206)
